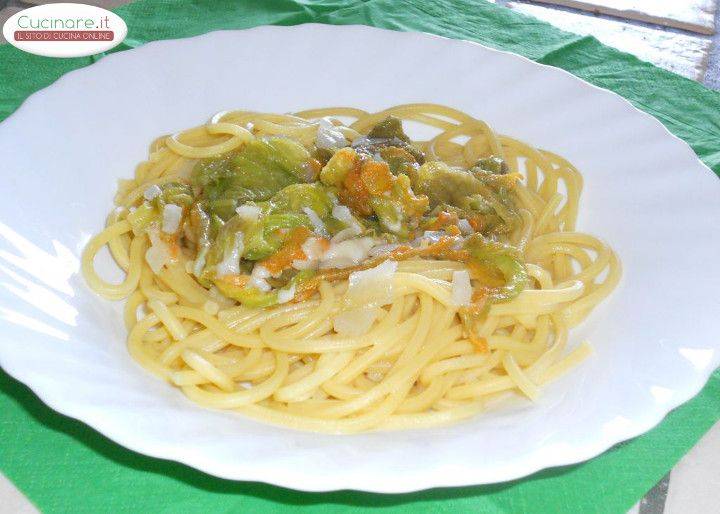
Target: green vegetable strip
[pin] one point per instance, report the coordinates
(503, 258)
(281, 186)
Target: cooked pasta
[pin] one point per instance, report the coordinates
(324, 271)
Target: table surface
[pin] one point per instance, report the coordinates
(633, 35)
(693, 485)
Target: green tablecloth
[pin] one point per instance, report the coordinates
(64, 466)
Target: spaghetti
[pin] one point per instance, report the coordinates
(323, 271)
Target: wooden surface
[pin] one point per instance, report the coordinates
(681, 53)
(690, 53)
(691, 15)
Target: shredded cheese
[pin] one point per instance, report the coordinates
(347, 253)
(152, 192)
(249, 213)
(465, 227)
(328, 137)
(230, 265)
(258, 276)
(317, 223)
(172, 215)
(287, 294)
(461, 293)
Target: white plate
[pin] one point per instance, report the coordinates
(656, 338)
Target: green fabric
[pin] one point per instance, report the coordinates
(63, 466)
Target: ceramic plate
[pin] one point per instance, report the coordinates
(646, 193)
